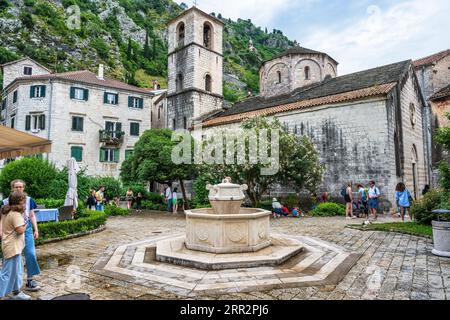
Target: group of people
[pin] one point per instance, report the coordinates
(279, 210)
(18, 232)
(96, 199)
(367, 200)
(130, 199)
(171, 198)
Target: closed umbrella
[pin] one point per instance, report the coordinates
(72, 193)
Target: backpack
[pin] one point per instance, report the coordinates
(344, 192)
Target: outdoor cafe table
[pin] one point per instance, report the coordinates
(45, 215)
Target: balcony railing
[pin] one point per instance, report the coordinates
(111, 137)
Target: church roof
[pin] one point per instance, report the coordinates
(443, 93)
(431, 59)
(84, 77)
(299, 50)
(368, 83)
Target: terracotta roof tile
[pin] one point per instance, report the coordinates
(86, 77)
(377, 90)
(430, 59)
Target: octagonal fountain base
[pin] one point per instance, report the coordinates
(245, 231)
(174, 251)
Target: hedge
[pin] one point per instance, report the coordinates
(329, 209)
(149, 205)
(115, 211)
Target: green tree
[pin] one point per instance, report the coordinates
(152, 161)
(299, 164)
(443, 138)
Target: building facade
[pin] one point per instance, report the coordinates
(195, 68)
(94, 119)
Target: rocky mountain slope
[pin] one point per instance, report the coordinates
(128, 36)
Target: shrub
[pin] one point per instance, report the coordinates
(90, 221)
(113, 187)
(148, 205)
(329, 209)
(37, 173)
(290, 201)
(422, 209)
(156, 198)
(115, 211)
(136, 188)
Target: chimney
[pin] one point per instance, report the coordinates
(101, 71)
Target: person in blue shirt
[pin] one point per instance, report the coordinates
(31, 234)
(403, 199)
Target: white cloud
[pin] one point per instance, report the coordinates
(403, 31)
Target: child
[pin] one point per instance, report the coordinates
(91, 201)
(403, 198)
(296, 212)
(175, 200)
(139, 202)
(13, 243)
(285, 211)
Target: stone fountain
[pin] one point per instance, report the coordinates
(226, 235)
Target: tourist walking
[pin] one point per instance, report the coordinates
(12, 231)
(100, 197)
(168, 197)
(348, 197)
(374, 194)
(139, 202)
(92, 201)
(31, 234)
(129, 196)
(175, 200)
(404, 199)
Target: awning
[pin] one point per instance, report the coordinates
(15, 143)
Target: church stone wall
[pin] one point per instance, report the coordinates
(433, 78)
(351, 148)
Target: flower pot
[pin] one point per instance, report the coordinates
(441, 238)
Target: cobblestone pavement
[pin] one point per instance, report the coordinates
(392, 265)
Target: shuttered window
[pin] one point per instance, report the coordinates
(15, 96)
(77, 123)
(134, 129)
(111, 98)
(27, 123)
(77, 153)
(109, 155)
(134, 102)
(79, 94)
(37, 91)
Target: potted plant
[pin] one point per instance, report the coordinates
(441, 233)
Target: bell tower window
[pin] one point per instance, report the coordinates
(180, 34)
(207, 35)
(279, 76)
(179, 82)
(208, 83)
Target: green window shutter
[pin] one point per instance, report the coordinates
(72, 92)
(117, 99)
(15, 96)
(74, 123)
(102, 155)
(116, 155)
(32, 91)
(77, 153)
(42, 122)
(27, 123)
(141, 103)
(86, 94)
(130, 102)
(105, 97)
(134, 129)
(43, 91)
(81, 123)
(118, 126)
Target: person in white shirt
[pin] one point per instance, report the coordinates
(374, 194)
(168, 196)
(277, 208)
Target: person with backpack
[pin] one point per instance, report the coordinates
(404, 199)
(363, 198)
(346, 192)
(374, 194)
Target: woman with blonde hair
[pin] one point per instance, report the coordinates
(13, 243)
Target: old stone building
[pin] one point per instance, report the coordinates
(195, 67)
(372, 124)
(87, 116)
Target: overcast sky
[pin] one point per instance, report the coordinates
(359, 34)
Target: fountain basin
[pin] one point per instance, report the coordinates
(245, 231)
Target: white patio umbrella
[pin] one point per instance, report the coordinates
(72, 193)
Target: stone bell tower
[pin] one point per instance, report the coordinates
(195, 68)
